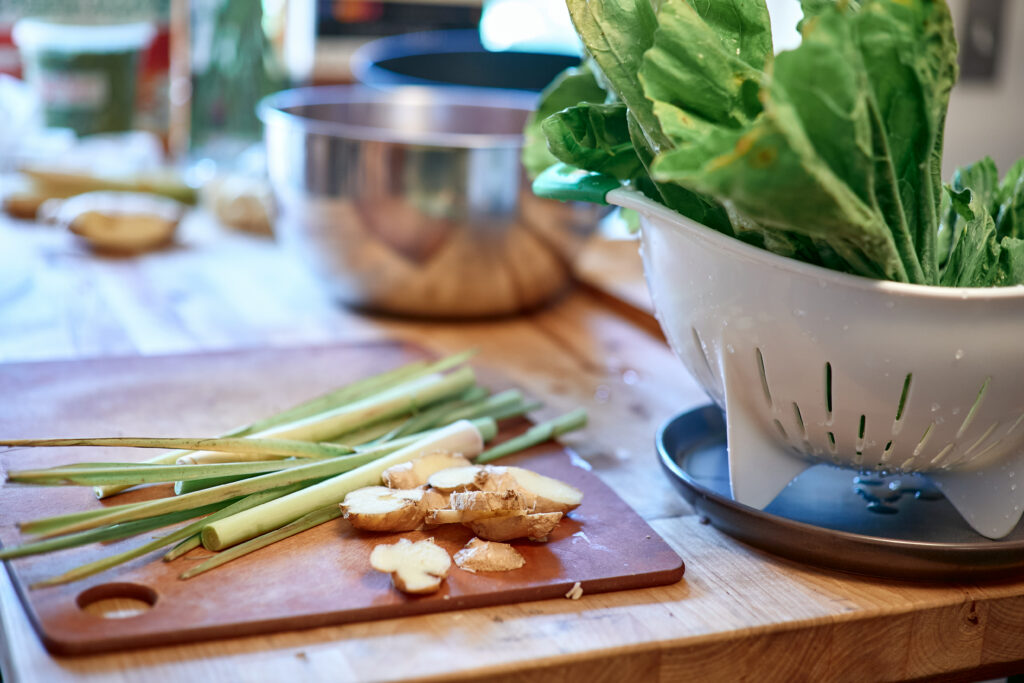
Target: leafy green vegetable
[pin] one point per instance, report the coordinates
(830, 153)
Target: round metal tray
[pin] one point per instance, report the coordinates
(897, 527)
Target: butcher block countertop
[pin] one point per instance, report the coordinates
(737, 614)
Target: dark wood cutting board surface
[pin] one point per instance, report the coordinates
(316, 578)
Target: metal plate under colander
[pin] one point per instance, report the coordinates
(894, 527)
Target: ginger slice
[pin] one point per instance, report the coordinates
(542, 493)
(378, 508)
(487, 556)
(482, 504)
(414, 567)
(409, 475)
(535, 527)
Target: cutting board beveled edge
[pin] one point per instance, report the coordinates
(317, 580)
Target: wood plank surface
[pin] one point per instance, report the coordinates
(739, 614)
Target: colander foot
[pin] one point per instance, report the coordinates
(990, 500)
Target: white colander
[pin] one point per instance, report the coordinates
(814, 366)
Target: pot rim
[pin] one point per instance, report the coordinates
(273, 111)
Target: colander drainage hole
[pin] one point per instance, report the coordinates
(117, 600)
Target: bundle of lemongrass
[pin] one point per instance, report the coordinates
(282, 475)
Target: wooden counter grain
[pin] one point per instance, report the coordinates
(739, 614)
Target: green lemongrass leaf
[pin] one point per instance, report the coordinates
(460, 437)
(278, 448)
(438, 415)
(307, 521)
(402, 399)
(356, 390)
(111, 561)
(92, 476)
(190, 543)
(484, 424)
(63, 524)
(114, 532)
(537, 434)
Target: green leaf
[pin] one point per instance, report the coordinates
(572, 86)
(1010, 199)
(616, 33)
(594, 137)
(707, 60)
(974, 260)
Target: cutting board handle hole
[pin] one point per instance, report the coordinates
(117, 600)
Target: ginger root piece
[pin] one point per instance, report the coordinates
(485, 556)
(482, 504)
(124, 222)
(409, 475)
(542, 494)
(414, 567)
(378, 508)
(535, 527)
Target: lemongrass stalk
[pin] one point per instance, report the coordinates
(514, 410)
(79, 521)
(460, 437)
(404, 398)
(190, 543)
(111, 561)
(264, 448)
(307, 521)
(485, 425)
(535, 435)
(114, 532)
(115, 474)
(436, 415)
(350, 392)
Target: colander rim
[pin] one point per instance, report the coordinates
(632, 199)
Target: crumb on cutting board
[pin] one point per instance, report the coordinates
(576, 592)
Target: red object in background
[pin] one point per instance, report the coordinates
(10, 63)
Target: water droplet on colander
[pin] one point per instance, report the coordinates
(959, 354)
(1013, 487)
(936, 407)
(799, 312)
(630, 377)
(890, 304)
(1011, 475)
(602, 393)
(846, 327)
(730, 348)
(822, 284)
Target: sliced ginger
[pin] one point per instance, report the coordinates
(414, 567)
(535, 527)
(378, 508)
(486, 556)
(409, 475)
(541, 493)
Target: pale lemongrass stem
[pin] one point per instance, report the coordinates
(92, 476)
(397, 400)
(484, 424)
(307, 521)
(537, 434)
(458, 437)
(110, 561)
(350, 392)
(277, 448)
(133, 511)
(114, 532)
(190, 543)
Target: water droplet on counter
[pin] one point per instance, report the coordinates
(630, 377)
(730, 348)
(959, 354)
(602, 393)
(936, 407)
(799, 312)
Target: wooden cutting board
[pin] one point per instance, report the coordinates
(316, 578)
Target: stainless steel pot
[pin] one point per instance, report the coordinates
(414, 201)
